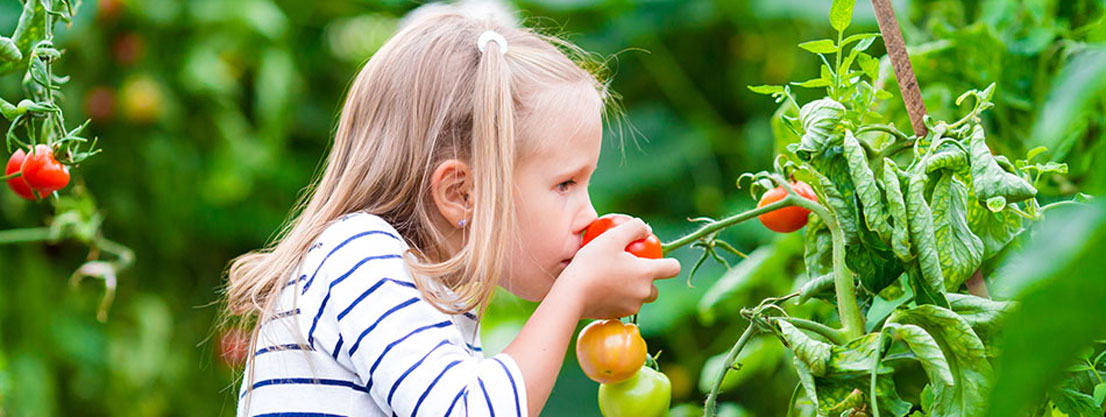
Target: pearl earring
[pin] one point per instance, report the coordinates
(462, 222)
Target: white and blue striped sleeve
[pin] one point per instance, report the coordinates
(411, 357)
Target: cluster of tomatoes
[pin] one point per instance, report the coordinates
(40, 173)
(613, 353)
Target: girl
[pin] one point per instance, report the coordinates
(460, 163)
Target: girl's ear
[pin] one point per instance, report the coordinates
(450, 187)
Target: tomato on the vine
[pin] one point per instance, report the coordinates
(787, 219)
(649, 247)
(43, 172)
(18, 184)
(610, 351)
(647, 394)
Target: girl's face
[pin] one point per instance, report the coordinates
(551, 197)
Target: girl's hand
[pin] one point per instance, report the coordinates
(609, 282)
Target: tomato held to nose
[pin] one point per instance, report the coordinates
(44, 173)
(649, 247)
(18, 184)
(787, 219)
(647, 394)
(610, 351)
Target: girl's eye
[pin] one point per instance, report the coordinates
(564, 185)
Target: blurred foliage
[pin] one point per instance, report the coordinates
(214, 114)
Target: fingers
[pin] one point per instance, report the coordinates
(663, 268)
(653, 294)
(630, 231)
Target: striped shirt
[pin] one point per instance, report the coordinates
(352, 336)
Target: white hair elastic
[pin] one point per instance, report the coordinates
(491, 35)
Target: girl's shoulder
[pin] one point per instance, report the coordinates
(359, 228)
(354, 243)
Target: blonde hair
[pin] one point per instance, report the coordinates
(426, 96)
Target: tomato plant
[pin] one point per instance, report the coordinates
(646, 394)
(787, 219)
(610, 351)
(649, 247)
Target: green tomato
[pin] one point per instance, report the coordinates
(646, 394)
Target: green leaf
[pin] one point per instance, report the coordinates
(819, 119)
(841, 14)
(857, 356)
(922, 233)
(1099, 394)
(1073, 403)
(990, 180)
(821, 46)
(813, 83)
(965, 355)
(869, 65)
(985, 316)
(959, 250)
(900, 227)
(867, 190)
(1057, 280)
(869, 37)
(925, 349)
(766, 89)
(817, 248)
(946, 156)
(813, 353)
(28, 32)
(994, 229)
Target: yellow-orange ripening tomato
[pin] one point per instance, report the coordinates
(610, 351)
(787, 219)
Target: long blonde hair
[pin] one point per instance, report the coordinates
(427, 95)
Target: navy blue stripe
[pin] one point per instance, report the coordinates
(518, 409)
(340, 245)
(486, 397)
(474, 348)
(432, 383)
(370, 291)
(298, 414)
(284, 314)
(393, 344)
(315, 322)
(392, 392)
(293, 346)
(294, 281)
(470, 315)
(309, 381)
(450, 410)
(337, 347)
(361, 337)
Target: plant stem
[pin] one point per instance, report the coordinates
(898, 134)
(834, 335)
(26, 235)
(851, 321)
(13, 175)
(727, 222)
(712, 398)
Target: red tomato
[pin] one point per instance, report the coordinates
(234, 347)
(610, 351)
(18, 184)
(787, 219)
(649, 247)
(44, 173)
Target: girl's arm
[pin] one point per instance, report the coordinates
(603, 280)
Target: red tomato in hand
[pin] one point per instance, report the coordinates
(787, 219)
(649, 247)
(18, 184)
(44, 173)
(610, 351)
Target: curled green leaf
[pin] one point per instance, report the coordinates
(819, 120)
(959, 250)
(989, 179)
(900, 231)
(875, 214)
(924, 238)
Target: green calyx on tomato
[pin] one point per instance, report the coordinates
(649, 247)
(610, 351)
(787, 219)
(647, 394)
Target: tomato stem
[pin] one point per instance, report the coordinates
(834, 335)
(712, 398)
(16, 174)
(726, 222)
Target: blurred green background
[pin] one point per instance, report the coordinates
(214, 114)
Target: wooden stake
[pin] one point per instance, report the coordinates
(900, 61)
